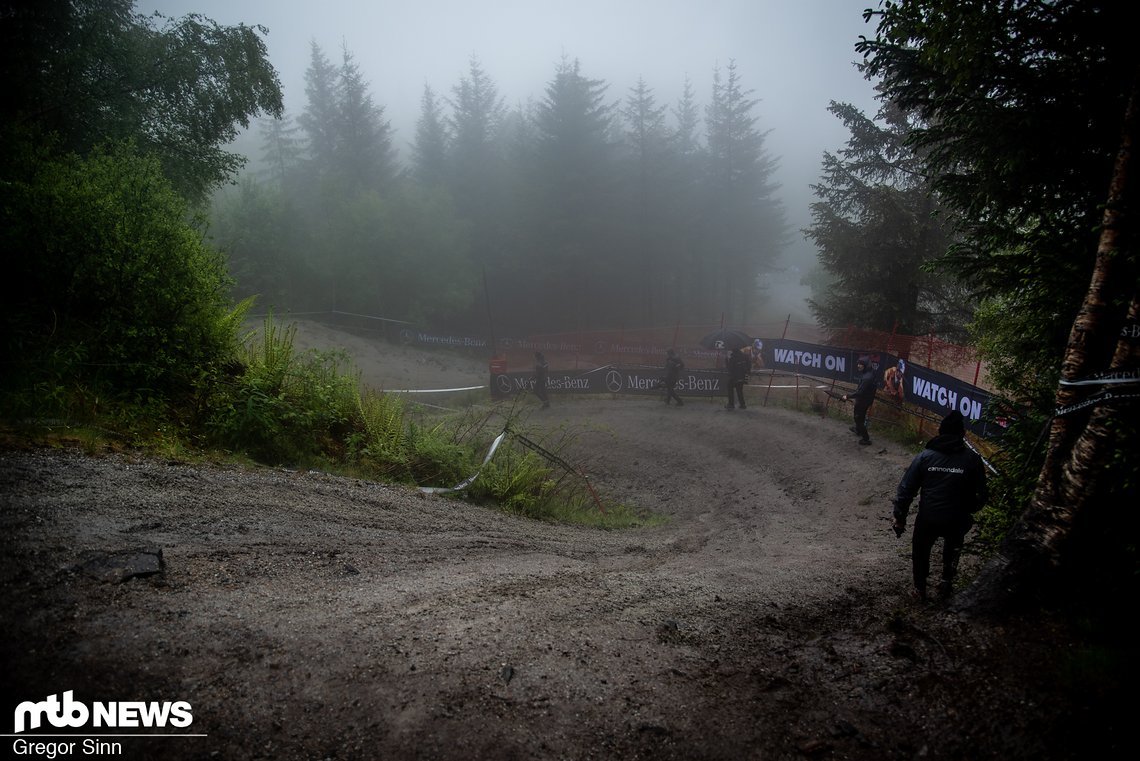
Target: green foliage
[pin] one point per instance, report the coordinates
(1020, 107)
(1017, 459)
(519, 481)
(283, 407)
(1023, 129)
(878, 224)
(380, 440)
(92, 72)
(107, 274)
(1007, 330)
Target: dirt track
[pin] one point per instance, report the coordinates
(305, 616)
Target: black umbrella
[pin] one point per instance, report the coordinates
(726, 338)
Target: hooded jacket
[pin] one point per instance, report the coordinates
(951, 478)
(865, 391)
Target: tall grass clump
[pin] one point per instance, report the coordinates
(387, 443)
(523, 481)
(281, 406)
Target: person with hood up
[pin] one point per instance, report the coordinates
(673, 367)
(864, 396)
(952, 480)
(738, 369)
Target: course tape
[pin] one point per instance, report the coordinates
(468, 481)
(1106, 378)
(431, 390)
(1104, 396)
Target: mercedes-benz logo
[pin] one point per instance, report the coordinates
(504, 383)
(613, 381)
(600, 347)
(406, 335)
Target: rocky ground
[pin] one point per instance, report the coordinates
(306, 616)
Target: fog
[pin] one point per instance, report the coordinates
(795, 57)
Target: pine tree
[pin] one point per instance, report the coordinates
(321, 115)
(429, 150)
(877, 223)
(476, 161)
(363, 151)
(745, 228)
(574, 163)
(646, 142)
(280, 149)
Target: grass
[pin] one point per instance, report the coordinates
(274, 405)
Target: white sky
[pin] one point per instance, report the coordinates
(795, 56)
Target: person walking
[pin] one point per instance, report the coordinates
(673, 367)
(864, 396)
(541, 373)
(951, 481)
(738, 367)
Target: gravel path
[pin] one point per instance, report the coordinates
(305, 616)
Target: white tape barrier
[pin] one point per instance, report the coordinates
(430, 390)
(468, 481)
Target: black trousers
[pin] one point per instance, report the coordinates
(861, 409)
(736, 394)
(671, 392)
(926, 533)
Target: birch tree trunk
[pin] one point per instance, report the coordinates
(1073, 477)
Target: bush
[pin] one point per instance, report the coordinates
(112, 288)
(283, 406)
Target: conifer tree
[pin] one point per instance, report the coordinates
(877, 223)
(745, 229)
(429, 150)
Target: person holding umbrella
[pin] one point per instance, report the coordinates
(738, 369)
(739, 364)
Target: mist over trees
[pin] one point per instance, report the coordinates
(581, 209)
(878, 225)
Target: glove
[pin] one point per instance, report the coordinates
(899, 528)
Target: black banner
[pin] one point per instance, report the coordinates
(803, 358)
(612, 380)
(941, 393)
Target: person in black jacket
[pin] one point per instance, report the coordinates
(541, 371)
(738, 368)
(952, 480)
(673, 367)
(864, 396)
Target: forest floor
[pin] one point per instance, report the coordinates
(307, 616)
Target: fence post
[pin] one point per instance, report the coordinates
(772, 374)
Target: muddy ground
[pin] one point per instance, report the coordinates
(306, 616)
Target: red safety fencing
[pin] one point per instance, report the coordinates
(582, 350)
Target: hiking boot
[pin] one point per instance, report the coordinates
(918, 593)
(945, 589)
(865, 442)
(854, 430)
(730, 407)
